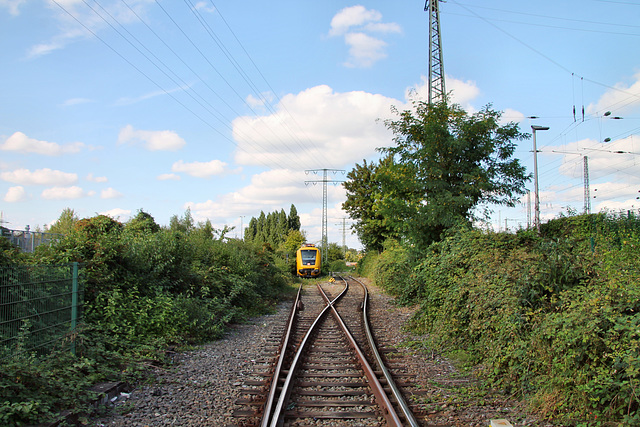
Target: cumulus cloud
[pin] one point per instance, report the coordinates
(15, 194)
(110, 193)
(65, 193)
(268, 191)
(361, 28)
(21, 143)
(168, 177)
(163, 140)
(278, 140)
(117, 214)
(200, 169)
(364, 50)
(44, 176)
(92, 178)
(616, 160)
(462, 92)
(620, 98)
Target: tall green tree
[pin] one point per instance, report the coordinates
(364, 192)
(294, 218)
(65, 223)
(446, 164)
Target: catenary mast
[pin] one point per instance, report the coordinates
(436, 66)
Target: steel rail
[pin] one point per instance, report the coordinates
(396, 392)
(284, 344)
(388, 412)
(278, 412)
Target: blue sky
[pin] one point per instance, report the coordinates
(115, 106)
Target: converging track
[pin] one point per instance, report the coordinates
(327, 370)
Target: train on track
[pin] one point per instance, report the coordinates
(308, 261)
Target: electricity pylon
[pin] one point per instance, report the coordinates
(436, 65)
(324, 180)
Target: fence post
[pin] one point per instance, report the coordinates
(74, 306)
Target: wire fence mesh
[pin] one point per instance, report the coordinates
(39, 306)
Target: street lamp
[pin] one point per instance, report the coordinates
(535, 175)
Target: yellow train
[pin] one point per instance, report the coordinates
(308, 260)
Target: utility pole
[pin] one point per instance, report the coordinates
(528, 208)
(436, 66)
(535, 128)
(324, 180)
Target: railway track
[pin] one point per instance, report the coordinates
(326, 369)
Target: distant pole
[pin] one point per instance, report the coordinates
(528, 209)
(242, 227)
(535, 128)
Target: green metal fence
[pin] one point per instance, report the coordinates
(39, 306)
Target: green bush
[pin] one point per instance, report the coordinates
(145, 288)
(555, 318)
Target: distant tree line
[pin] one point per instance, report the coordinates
(272, 229)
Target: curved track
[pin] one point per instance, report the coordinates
(327, 370)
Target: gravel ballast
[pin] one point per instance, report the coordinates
(200, 390)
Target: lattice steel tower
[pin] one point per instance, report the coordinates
(325, 240)
(436, 66)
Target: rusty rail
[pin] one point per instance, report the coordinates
(388, 412)
(278, 412)
(396, 392)
(284, 344)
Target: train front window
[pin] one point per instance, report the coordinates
(308, 257)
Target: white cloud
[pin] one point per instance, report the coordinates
(168, 177)
(616, 160)
(364, 50)
(22, 143)
(200, 169)
(44, 176)
(12, 5)
(163, 140)
(110, 193)
(203, 5)
(618, 99)
(265, 97)
(267, 191)
(73, 11)
(92, 178)
(117, 214)
(277, 140)
(353, 16)
(65, 193)
(15, 194)
(462, 92)
(358, 25)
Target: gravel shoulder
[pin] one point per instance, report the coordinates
(200, 390)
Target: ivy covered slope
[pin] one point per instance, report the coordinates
(551, 318)
(146, 288)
